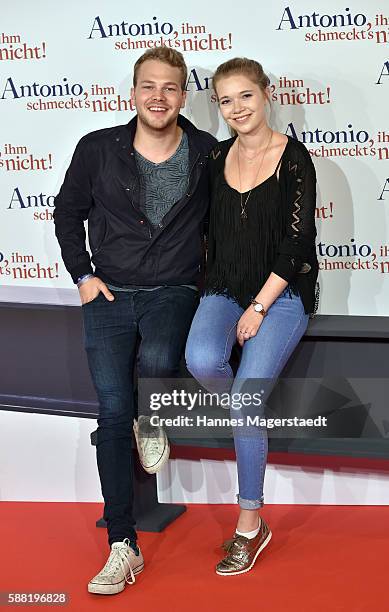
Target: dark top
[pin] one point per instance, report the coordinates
(277, 236)
(102, 185)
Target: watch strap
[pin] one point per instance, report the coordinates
(263, 312)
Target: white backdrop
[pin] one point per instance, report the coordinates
(66, 69)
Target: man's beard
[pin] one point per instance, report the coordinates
(157, 125)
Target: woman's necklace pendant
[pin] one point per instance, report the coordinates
(243, 206)
(243, 211)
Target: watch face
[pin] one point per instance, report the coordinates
(258, 307)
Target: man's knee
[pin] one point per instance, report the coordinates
(157, 360)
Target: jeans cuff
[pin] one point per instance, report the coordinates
(249, 504)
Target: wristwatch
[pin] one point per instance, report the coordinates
(258, 307)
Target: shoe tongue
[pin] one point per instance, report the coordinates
(240, 537)
(124, 546)
(118, 545)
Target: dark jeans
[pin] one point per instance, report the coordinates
(161, 320)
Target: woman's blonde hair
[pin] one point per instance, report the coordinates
(242, 65)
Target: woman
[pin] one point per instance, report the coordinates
(261, 277)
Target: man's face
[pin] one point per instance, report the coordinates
(158, 96)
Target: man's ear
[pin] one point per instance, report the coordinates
(183, 99)
(133, 95)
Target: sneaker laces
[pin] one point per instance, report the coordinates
(153, 444)
(117, 560)
(149, 438)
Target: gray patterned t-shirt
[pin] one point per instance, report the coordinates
(164, 184)
(161, 186)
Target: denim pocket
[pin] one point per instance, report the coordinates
(92, 301)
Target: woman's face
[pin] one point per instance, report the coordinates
(242, 103)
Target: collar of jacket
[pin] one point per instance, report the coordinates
(123, 144)
(123, 139)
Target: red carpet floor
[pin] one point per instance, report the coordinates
(321, 559)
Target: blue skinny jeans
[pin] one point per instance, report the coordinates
(208, 350)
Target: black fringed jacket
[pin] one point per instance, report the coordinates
(288, 247)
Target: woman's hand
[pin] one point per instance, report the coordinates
(248, 325)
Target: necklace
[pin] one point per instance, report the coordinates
(252, 159)
(243, 205)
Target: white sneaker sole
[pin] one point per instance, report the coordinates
(264, 543)
(112, 589)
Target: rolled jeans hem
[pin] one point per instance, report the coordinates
(250, 504)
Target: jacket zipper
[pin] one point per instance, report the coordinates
(192, 168)
(143, 218)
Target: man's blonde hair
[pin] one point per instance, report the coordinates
(168, 56)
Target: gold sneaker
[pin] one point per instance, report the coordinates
(242, 552)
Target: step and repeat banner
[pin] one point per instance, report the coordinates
(66, 69)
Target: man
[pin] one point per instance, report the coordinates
(144, 191)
